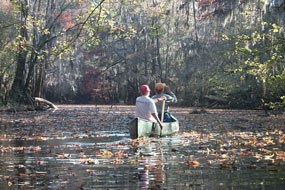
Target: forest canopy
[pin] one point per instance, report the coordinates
(213, 53)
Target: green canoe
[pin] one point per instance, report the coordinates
(144, 128)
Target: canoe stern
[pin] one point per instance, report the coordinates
(144, 128)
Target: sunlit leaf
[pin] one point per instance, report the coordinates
(192, 163)
(105, 154)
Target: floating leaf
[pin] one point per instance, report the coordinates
(62, 155)
(105, 154)
(192, 163)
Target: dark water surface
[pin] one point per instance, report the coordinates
(89, 148)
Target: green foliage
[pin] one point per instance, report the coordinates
(278, 105)
(263, 54)
(277, 91)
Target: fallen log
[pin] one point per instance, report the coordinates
(40, 101)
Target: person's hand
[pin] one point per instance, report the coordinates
(162, 98)
(167, 89)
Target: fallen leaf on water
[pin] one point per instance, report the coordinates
(62, 155)
(282, 138)
(23, 174)
(36, 148)
(192, 163)
(90, 161)
(10, 183)
(105, 154)
(280, 155)
(225, 156)
(120, 153)
(269, 157)
(148, 167)
(82, 155)
(117, 161)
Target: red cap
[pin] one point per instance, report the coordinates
(144, 89)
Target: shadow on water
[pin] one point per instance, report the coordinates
(76, 154)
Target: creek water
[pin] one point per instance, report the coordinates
(87, 148)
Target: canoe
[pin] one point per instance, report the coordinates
(144, 128)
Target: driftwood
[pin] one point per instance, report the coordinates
(44, 103)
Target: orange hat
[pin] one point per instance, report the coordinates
(144, 89)
(159, 86)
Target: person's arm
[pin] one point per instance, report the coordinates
(162, 98)
(154, 113)
(158, 120)
(172, 97)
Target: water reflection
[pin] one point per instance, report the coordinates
(151, 173)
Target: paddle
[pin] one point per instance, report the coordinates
(162, 111)
(162, 114)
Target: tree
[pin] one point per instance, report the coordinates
(7, 35)
(46, 30)
(208, 51)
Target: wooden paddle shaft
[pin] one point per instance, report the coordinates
(162, 110)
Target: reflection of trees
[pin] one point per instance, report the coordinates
(21, 163)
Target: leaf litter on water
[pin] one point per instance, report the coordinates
(218, 139)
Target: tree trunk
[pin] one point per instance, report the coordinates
(18, 92)
(158, 53)
(39, 81)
